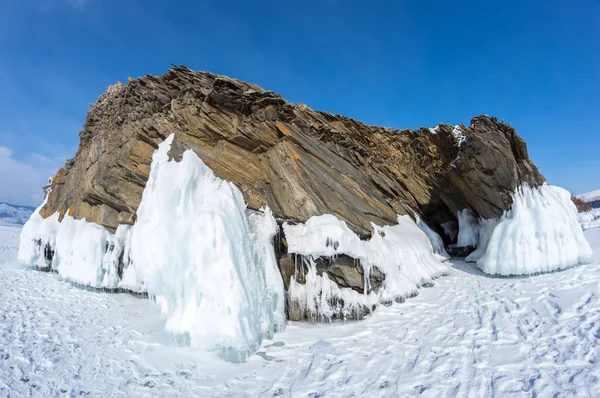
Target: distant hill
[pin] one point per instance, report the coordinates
(14, 214)
(591, 198)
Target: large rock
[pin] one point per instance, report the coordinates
(298, 161)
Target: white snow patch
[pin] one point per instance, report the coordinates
(459, 135)
(540, 233)
(435, 129)
(325, 236)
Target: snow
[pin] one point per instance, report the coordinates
(590, 219)
(590, 196)
(540, 233)
(468, 229)
(403, 252)
(469, 335)
(323, 235)
(434, 130)
(14, 215)
(459, 135)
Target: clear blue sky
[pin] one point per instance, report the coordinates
(535, 64)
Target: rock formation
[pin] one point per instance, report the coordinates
(298, 161)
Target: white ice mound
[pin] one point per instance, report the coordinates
(80, 251)
(210, 268)
(402, 252)
(540, 233)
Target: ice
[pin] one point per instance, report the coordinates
(540, 233)
(590, 219)
(403, 252)
(468, 229)
(324, 299)
(323, 235)
(192, 247)
(82, 252)
(434, 238)
(485, 228)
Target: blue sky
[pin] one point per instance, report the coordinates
(535, 64)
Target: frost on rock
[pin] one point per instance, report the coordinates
(468, 229)
(540, 233)
(403, 253)
(205, 262)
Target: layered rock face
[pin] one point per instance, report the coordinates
(297, 161)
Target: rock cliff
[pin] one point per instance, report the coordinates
(298, 161)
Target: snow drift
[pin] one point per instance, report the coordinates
(402, 252)
(540, 233)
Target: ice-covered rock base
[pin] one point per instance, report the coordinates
(403, 253)
(206, 261)
(540, 233)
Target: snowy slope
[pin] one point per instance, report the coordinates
(590, 196)
(469, 335)
(14, 215)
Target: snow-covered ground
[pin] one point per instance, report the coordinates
(469, 335)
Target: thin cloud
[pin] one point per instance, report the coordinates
(21, 182)
(79, 4)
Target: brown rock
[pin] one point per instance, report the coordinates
(298, 161)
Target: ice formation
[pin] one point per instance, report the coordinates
(196, 253)
(207, 261)
(403, 252)
(485, 229)
(468, 229)
(590, 219)
(82, 252)
(434, 238)
(540, 233)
